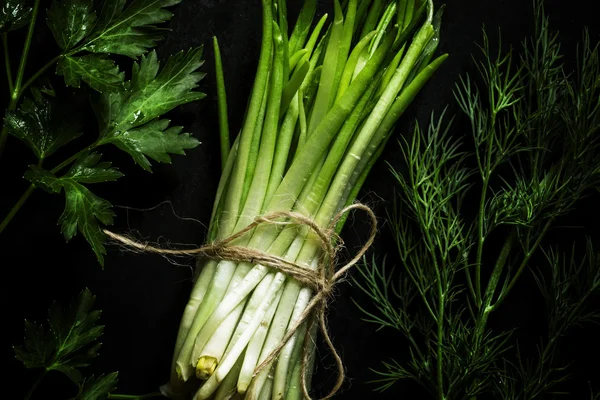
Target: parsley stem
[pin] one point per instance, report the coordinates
(21, 72)
(31, 188)
(16, 208)
(73, 158)
(7, 61)
(36, 383)
(35, 76)
(16, 89)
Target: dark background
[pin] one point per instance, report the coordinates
(142, 296)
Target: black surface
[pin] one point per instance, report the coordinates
(142, 296)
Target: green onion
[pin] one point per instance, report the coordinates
(324, 103)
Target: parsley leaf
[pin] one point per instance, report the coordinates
(41, 125)
(97, 388)
(69, 343)
(154, 140)
(128, 119)
(35, 353)
(70, 21)
(122, 30)
(84, 211)
(154, 93)
(14, 15)
(97, 70)
(129, 31)
(88, 170)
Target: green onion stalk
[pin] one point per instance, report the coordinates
(324, 102)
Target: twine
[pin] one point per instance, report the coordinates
(321, 280)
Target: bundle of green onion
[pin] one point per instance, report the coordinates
(322, 107)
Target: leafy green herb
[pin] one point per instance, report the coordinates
(71, 21)
(69, 343)
(154, 140)
(567, 289)
(83, 210)
(154, 93)
(535, 155)
(97, 70)
(41, 125)
(131, 30)
(14, 14)
(97, 388)
(129, 112)
(128, 118)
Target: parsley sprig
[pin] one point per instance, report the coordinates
(68, 344)
(129, 112)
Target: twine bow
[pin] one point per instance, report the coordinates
(320, 280)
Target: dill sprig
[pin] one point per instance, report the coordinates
(534, 129)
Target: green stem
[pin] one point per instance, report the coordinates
(493, 284)
(35, 76)
(526, 259)
(480, 241)
(31, 188)
(430, 243)
(7, 61)
(14, 95)
(21, 71)
(440, 336)
(129, 396)
(498, 268)
(480, 234)
(232, 203)
(222, 105)
(491, 288)
(35, 384)
(16, 207)
(74, 157)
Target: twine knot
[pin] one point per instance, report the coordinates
(321, 280)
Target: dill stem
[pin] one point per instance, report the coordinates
(480, 235)
(440, 334)
(526, 259)
(491, 288)
(497, 272)
(480, 240)
(440, 322)
(430, 243)
(493, 284)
